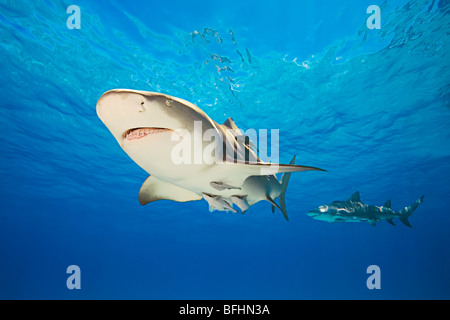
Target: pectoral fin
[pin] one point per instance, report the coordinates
(155, 189)
(372, 222)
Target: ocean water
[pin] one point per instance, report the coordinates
(371, 106)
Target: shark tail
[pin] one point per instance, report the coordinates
(284, 183)
(408, 211)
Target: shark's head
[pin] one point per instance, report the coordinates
(149, 125)
(320, 213)
(327, 213)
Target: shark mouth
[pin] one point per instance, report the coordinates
(139, 133)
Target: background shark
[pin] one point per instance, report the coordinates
(353, 210)
(145, 124)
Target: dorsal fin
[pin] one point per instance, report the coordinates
(229, 123)
(387, 204)
(242, 145)
(355, 197)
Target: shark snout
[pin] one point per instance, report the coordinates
(313, 213)
(118, 99)
(119, 111)
(319, 211)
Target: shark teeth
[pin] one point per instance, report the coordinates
(139, 133)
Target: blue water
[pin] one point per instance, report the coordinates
(370, 106)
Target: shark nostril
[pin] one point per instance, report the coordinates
(142, 108)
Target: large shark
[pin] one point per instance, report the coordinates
(150, 127)
(353, 210)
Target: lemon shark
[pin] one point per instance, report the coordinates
(219, 163)
(353, 210)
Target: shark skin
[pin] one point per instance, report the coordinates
(353, 210)
(149, 126)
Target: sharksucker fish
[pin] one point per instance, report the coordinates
(150, 127)
(353, 210)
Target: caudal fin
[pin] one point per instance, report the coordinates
(284, 183)
(408, 211)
